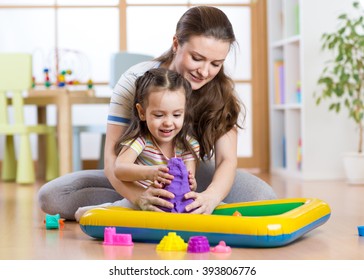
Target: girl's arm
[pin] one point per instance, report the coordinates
(222, 181)
(127, 170)
(146, 199)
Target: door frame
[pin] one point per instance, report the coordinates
(259, 162)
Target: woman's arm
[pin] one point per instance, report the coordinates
(146, 199)
(128, 190)
(222, 181)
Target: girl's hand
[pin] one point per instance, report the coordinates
(153, 197)
(204, 202)
(159, 176)
(192, 181)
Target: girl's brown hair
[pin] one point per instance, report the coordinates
(215, 106)
(159, 79)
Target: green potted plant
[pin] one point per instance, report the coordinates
(342, 81)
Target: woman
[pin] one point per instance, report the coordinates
(203, 39)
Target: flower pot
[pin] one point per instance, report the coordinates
(354, 168)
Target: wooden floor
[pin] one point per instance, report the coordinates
(23, 235)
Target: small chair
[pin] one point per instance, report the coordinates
(16, 77)
(120, 62)
(94, 129)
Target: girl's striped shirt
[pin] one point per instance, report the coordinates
(149, 154)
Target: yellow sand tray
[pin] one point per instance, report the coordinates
(270, 223)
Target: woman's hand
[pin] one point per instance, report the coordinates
(204, 203)
(192, 181)
(153, 197)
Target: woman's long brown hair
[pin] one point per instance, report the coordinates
(215, 107)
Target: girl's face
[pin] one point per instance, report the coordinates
(200, 59)
(164, 114)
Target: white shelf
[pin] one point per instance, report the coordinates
(281, 43)
(285, 103)
(294, 39)
(290, 106)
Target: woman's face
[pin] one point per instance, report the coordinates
(200, 59)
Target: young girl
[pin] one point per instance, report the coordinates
(158, 131)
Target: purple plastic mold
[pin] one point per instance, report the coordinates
(198, 244)
(179, 186)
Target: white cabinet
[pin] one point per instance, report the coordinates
(306, 140)
(285, 86)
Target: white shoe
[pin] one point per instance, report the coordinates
(82, 210)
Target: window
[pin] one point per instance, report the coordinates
(80, 36)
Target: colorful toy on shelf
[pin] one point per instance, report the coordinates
(68, 73)
(179, 186)
(47, 81)
(269, 223)
(298, 92)
(64, 67)
(118, 239)
(299, 155)
(53, 221)
(172, 242)
(90, 84)
(61, 79)
(198, 244)
(65, 78)
(221, 248)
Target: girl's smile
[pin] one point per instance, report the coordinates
(164, 114)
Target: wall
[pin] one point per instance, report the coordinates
(327, 135)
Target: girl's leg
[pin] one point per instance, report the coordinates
(246, 186)
(64, 195)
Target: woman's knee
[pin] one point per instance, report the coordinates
(60, 193)
(47, 198)
(248, 187)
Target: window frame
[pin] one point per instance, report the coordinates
(258, 81)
